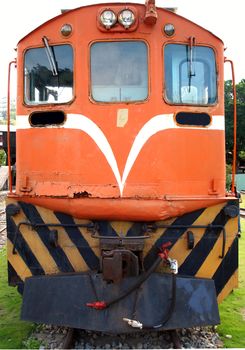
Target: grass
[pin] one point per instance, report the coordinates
(242, 205)
(13, 331)
(232, 309)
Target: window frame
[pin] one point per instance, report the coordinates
(164, 79)
(44, 104)
(148, 72)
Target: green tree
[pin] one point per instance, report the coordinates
(3, 157)
(240, 90)
(242, 155)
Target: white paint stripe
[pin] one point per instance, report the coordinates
(22, 122)
(218, 123)
(74, 121)
(153, 126)
(87, 125)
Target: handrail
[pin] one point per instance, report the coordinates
(234, 126)
(8, 127)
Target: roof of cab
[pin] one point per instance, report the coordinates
(64, 13)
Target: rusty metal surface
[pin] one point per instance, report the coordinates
(121, 256)
(119, 263)
(130, 243)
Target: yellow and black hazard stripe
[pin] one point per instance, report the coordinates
(78, 251)
(205, 258)
(30, 251)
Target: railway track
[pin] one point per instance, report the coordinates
(205, 337)
(70, 339)
(105, 341)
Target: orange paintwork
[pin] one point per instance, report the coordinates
(178, 170)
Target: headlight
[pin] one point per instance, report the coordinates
(108, 18)
(126, 18)
(169, 29)
(66, 29)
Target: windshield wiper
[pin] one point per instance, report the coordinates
(191, 68)
(51, 57)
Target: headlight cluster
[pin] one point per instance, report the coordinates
(108, 18)
(126, 18)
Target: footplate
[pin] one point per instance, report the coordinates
(61, 300)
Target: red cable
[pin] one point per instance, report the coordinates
(98, 305)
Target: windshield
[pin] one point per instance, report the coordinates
(119, 71)
(41, 84)
(190, 77)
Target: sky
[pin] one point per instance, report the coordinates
(224, 18)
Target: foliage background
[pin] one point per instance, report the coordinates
(240, 91)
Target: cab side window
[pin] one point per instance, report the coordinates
(190, 77)
(42, 86)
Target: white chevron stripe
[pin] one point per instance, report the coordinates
(87, 125)
(153, 126)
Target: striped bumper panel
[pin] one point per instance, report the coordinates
(31, 252)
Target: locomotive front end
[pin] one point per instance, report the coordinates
(120, 219)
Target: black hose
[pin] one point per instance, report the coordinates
(171, 307)
(138, 283)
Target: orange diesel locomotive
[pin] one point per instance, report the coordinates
(120, 218)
